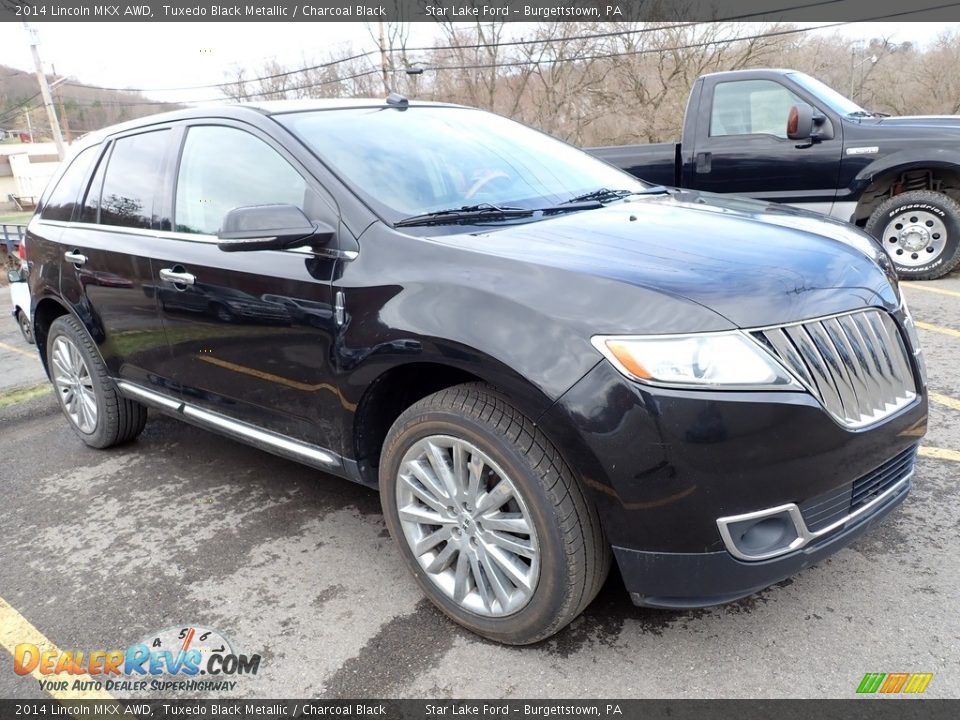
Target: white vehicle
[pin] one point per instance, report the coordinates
(20, 299)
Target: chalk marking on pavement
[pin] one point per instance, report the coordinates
(11, 348)
(927, 288)
(945, 400)
(940, 453)
(16, 629)
(937, 329)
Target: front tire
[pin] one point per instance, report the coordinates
(95, 409)
(26, 329)
(489, 518)
(920, 230)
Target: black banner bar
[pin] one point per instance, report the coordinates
(872, 709)
(476, 10)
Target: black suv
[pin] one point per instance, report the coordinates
(540, 361)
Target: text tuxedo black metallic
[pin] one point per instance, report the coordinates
(536, 358)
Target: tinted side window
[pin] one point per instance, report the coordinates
(133, 181)
(63, 199)
(751, 107)
(223, 168)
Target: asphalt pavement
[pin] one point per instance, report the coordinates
(184, 528)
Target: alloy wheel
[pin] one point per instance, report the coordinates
(915, 237)
(71, 376)
(468, 526)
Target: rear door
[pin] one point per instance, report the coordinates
(251, 333)
(106, 273)
(742, 146)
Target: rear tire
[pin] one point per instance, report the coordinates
(95, 409)
(920, 230)
(540, 529)
(26, 329)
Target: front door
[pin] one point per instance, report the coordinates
(743, 148)
(250, 333)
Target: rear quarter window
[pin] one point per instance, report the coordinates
(63, 199)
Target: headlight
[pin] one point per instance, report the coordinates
(712, 360)
(914, 338)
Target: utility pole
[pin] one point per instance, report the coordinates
(45, 90)
(63, 113)
(383, 61)
(26, 114)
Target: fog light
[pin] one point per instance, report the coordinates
(762, 535)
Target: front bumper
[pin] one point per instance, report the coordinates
(662, 466)
(686, 580)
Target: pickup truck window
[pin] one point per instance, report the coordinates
(751, 107)
(830, 97)
(422, 159)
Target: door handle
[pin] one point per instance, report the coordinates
(704, 163)
(74, 257)
(177, 278)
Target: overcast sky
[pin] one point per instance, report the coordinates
(164, 55)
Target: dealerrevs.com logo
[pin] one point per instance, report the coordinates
(191, 658)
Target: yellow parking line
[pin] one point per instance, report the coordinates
(940, 453)
(927, 288)
(937, 329)
(16, 629)
(945, 400)
(11, 348)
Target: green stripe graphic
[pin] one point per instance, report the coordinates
(871, 682)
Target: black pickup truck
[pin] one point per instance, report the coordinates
(783, 136)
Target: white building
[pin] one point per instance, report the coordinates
(25, 170)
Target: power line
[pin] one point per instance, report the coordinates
(468, 46)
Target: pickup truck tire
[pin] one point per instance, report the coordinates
(95, 409)
(522, 552)
(920, 230)
(26, 329)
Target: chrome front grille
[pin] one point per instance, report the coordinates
(855, 364)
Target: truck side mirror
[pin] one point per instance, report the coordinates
(800, 122)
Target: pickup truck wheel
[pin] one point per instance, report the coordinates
(489, 518)
(96, 410)
(26, 329)
(920, 230)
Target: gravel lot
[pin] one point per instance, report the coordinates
(183, 527)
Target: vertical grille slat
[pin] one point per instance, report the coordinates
(856, 364)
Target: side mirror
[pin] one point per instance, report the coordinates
(270, 227)
(800, 122)
(15, 276)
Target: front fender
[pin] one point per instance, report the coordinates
(903, 160)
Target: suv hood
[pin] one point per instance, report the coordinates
(754, 263)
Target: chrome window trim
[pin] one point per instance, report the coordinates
(333, 253)
(805, 536)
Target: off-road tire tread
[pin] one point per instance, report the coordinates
(909, 198)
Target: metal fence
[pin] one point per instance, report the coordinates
(10, 238)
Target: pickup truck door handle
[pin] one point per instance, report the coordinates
(74, 257)
(177, 278)
(704, 162)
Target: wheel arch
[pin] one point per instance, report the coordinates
(938, 171)
(45, 312)
(395, 388)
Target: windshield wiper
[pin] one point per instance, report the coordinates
(488, 212)
(867, 113)
(484, 211)
(606, 195)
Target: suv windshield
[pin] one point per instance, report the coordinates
(831, 98)
(426, 159)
